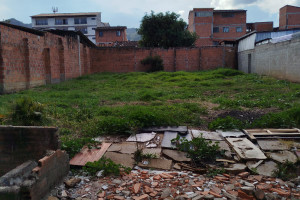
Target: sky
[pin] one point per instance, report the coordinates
(130, 12)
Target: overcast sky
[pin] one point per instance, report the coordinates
(130, 12)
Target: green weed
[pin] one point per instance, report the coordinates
(227, 123)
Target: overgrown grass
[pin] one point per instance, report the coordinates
(115, 103)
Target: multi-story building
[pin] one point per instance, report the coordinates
(216, 26)
(109, 35)
(289, 17)
(259, 26)
(84, 22)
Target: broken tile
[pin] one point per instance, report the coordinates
(141, 137)
(176, 155)
(245, 149)
(207, 135)
(283, 156)
(123, 159)
(233, 133)
(253, 164)
(157, 164)
(272, 145)
(236, 168)
(89, 155)
(267, 168)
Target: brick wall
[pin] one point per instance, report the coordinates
(29, 59)
(19, 144)
(178, 59)
(289, 17)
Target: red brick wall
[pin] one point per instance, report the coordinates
(263, 26)
(289, 17)
(110, 36)
(28, 60)
(179, 59)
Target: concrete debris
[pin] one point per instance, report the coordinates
(141, 137)
(233, 133)
(272, 145)
(168, 137)
(150, 184)
(207, 135)
(124, 147)
(123, 159)
(157, 164)
(236, 168)
(176, 155)
(154, 151)
(72, 182)
(283, 156)
(267, 168)
(180, 129)
(245, 149)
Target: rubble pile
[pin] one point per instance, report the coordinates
(143, 185)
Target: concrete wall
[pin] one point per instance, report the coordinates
(20, 144)
(280, 60)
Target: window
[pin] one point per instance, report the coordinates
(215, 43)
(228, 14)
(61, 21)
(225, 29)
(101, 34)
(41, 22)
(203, 14)
(82, 29)
(93, 18)
(93, 29)
(82, 20)
(118, 33)
(239, 29)
(216, 30)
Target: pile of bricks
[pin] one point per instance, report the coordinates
(144, 185)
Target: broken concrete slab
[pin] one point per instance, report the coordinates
(245, 149)
(253, 164)
(207, 135)
(89, 155)
(283, 156)
(236, 168)
(141, 137)
(124, 147)
(272, 145)
(180, 129)
(266, 168)
(153, 151)
(168, 137)
(233, 133)
(176, 155)
(122, 159)
(156, 164)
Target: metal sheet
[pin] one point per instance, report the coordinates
(89, 155)
(245, 149)
(207, 135)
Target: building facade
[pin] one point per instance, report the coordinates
(109, 35)
(84, 22)
(289, 17)
(216, 26)
(259, 26)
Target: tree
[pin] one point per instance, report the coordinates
(165, 30)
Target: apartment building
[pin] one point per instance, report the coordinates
(289, 17)
(110, 35)
(84, 22)
(216, 26)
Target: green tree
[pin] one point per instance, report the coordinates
(165, 30)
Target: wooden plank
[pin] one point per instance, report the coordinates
(89, 155)
(245, 149)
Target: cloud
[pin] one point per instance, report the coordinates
(270, 6)
(4, 11)
(181, 12)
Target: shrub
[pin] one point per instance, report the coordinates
(107, 165)
(155, 62)
(26, 112)
(114, 125)
(286, 170)
(198, 149)
(227, 123)
(74, 145)
(139, 156)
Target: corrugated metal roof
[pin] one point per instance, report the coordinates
(66, 14)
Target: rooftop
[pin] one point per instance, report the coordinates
(111, 28)
(66, 14)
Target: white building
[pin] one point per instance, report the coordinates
(84, 22)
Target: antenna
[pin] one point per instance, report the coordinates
(55, 9)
